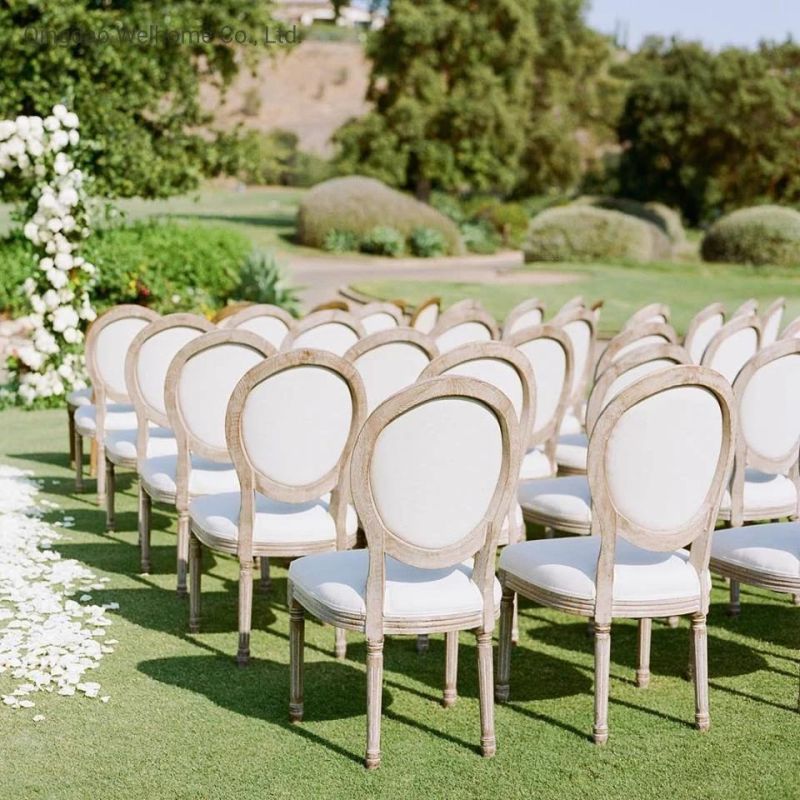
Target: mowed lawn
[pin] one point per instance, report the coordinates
(185, 722)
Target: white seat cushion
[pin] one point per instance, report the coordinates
(567, 499)
(535, 465)
(205, 477)
(568, 567)
(338, 581)
(763, 491)
(118, 417)
(773, 549)
(570, 424)
(80, 397)
(121, 445)
(571, 451)
(277, 523)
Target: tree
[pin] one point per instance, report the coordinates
(131, 70)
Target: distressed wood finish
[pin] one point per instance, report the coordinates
(337, 304)
(792, 330)
(736, 324)
(400, 334)
(463, 313)
(323, 316)
(700, 318)
(654, 312)
(257, 311)
(580, 382)
(774, 312)
(746, 309)
(524, 315)
(373, 309)
(629, 336)
(426, 314)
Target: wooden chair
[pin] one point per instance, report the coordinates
(75, 399)
(426, 315)
(331, 330)
(337, 304)
(389, 361)
(549, 352)
(524, 315)
(580, 325)
(771, 322)
(290, 427)
(463, 323)
(746, 309)
(269, 322)
(792, 330)
(107, 343)
(379, 317)
(659, 458)
(736, 342)
(652, 313)
(630, 339)
(432, 475)
(702, 329)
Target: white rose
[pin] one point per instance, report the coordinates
(51, 123)
(45, 342)
(54, 224)
(29, 285)
(35, 148)
(51, 299)
(7, 128)
(62, 165)
(14, 146)
(60, 111)
(50, 248)
(23, 161)
(68, 197)
(70, 120)
(68, 223)
(57, 278)
(72, 335)
(31, 231)
(23, 126)
(63, 261)
(65, 317)
(74, 137)
(37, 304)
(62, 244)
(39, 170)
(46, 264)
(58, 141)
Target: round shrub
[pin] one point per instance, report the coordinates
(657, 214)
(759, 235)
(383, 241)
(427, 243)
(585, 233)
(359, 205)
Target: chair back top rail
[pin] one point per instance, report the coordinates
(629, 339)
(426, 314)
(464, 322)
(734, 344)
(524, 315)
(272, 323)
(702, 329)
(331, 329)
(379, 316)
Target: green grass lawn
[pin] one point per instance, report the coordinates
(686, 287)
(185, 722)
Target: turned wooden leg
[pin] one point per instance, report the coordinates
(71, 433)
(340, 643)
(602, 668)
(111, 488)
(297, 632)
(245, 609)
(450, 669)
(99, 461)
(374, 700)
(183, 551)
(643, 669)
(501, 689)
(549, 532)
(423, 643)
(265, 582)
(734, 606)
(144, 528)
(486, 691)
(700, 648)
(195, 582)
(515, 621)
(78, 439)
(93, 458)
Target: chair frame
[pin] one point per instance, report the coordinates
(777, 306)
(628, 336)
(792, 330)
(322, 317)
(580, 314)
(431, 301)
(461, 313)
(392, 309)
(645, 315)
(709, 312)
(747, 308)
(519, 310)
(336, 304)
(481, 542)
(257, 310)
(736, 324)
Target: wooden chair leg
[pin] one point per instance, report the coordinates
(450, 669)
(501, 689)
(71, 433)
(265, 582)
(297, 632)
(145, 504)
(700, 649)
(423, 643)
(195, 578)
(643, 669)
(78, 440)
(245, 610)
(93, 458)
(183, 552)
(734, 606)
(486, 691)
(340, 643)
(98, 460)
(602, 668)
(111, 488)
(515, 621)
(374, 701)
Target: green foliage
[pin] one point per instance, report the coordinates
(479, 237)
(357, 205)
(584, 233)
(508, 221)
(337, 241)
(656, 214)
(426, 243)
(383, 241)
(17, 261)
(138, 102)
(261, 280)
(760, 235)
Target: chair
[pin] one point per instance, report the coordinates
(426, 314)
(331, 330)
(463, 323)
(146, 366)
(272, 323)
(107, 343)
(549, 352)
(702, 329)
(771, 322)
(75, 399)
(792, 330)
(390, 360)
(659, 458)
(432, 476)
(654, 312)
(580, 325)
(734, 344)
(630, 339)
(290, 427)
(337, 304)
(746, 309)
(379, 316)
(524, 315)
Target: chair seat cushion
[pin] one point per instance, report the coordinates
(567, 499)
(568, 567)
(80, 397)
(771, 549)
(205, 476)
(571, 451)
(216, 520)
(570, 425)
(763, 491)
(338, 581)
(535, 464)
(118, 417)
(121, 445)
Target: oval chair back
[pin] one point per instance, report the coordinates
(525, 315)
(379, 317)
(654, 312)
(426, 315)
(331, 330)
(580, 325)
(702, 329)
(746, 309)
(771, 322)
(630, 339)
(792, 330)
(272, 323)
(733, 345)
(463, 323)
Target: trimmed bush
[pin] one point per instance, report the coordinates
(585, 233)
(657, 214)
(758, 235)
(427, 243)
(509, 221)
(479, 237)
(383, 241)
(359, 205)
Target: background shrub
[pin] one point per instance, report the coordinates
(509, 221)
(337, 241)
(658, 214)
(261, 280)
(759, 235)
(383, 241)
(359, 205)
(479, 237)
(585, 233)
(427, 243)
(17, 262)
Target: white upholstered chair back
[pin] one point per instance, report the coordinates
(269, 322)
(733, 346)
(580, 325)
(390, 360)
(792, 330)
(702, 329)
(771, 322)
(377, 317)
(465, 322)
(331, 330)
(630, 339)
(426, 315)
(654, 312)
(524, 315)
(746, 309)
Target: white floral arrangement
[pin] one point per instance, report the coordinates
(52, 364)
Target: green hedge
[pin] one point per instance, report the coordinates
(17, 262)
(758, 235)
(585, 233)
(657, 214)
(358, 205)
